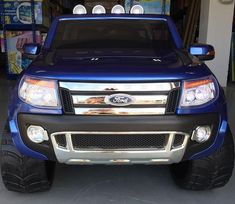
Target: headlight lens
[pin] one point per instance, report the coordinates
(37, 92)
(198, 92)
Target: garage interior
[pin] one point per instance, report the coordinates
(207, 21)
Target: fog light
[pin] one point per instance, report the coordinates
(37, 134)
(201, 134)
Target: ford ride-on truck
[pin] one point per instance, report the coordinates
(117, 89)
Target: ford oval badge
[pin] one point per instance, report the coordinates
(119, 100)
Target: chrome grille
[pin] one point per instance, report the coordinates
(139, 100)
(91, 98)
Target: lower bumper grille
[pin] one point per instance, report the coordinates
(119, 142)
(119, 147)
(178, 140)
(61, 140)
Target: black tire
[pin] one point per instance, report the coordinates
(21, 173)
(209, 172)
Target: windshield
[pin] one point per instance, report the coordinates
(113, 33)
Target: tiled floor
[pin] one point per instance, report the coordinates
(117, 184)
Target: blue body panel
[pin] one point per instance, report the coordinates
(133, 69)
(99, 71)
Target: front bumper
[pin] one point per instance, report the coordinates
(168, 154)
(171, 124)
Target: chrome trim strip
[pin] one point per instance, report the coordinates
(118, 87)
(118, 133)
(137, 100)
(166, 156)
(120, 111)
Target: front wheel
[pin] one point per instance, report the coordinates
(21, 173)
(209, 172)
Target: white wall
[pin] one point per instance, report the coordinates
(216, 29)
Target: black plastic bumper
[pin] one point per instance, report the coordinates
(58, 123)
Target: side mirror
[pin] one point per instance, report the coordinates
(31, 50)
(203, 51)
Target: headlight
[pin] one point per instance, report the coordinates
(37, 92)
(198, 92)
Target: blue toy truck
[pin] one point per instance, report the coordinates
(117, 89)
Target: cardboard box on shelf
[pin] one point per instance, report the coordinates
(15, 42)
(150, 6)
(19, 12)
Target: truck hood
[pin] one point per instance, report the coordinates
(156, 67)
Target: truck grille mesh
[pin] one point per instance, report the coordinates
(178, 141)
(119, 142)
(61, 140)
(172, 101)
(67, 102)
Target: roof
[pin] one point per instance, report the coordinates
(112, 16)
